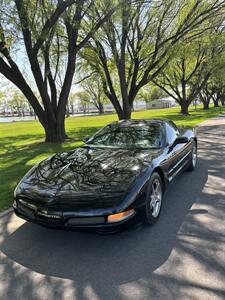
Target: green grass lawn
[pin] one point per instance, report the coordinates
(21, 143)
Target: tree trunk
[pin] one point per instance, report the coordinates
(55, 133)
(205, 99)
(205, 105)
(216, 103)
(184, 108)
(100, 108)
(126, 113)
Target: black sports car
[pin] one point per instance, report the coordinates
(116, 178)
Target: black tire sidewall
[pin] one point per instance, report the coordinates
(191, 166)
(148, 219)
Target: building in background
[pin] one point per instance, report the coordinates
(161, 103)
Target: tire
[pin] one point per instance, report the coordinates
(153, 204)
(193, 160)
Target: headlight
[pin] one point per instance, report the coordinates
(15, 192)
(17, 189)
(120, 216)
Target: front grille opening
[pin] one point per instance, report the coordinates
(26, 210)
(86, 221)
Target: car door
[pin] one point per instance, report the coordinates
(175, 154)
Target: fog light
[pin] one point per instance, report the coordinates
(120, 216)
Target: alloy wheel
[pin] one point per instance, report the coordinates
(155, 197)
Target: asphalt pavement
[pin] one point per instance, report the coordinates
(181, 257)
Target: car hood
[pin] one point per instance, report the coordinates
(86, 176)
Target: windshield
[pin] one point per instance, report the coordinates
(130, 136)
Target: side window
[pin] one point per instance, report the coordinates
(172, 133)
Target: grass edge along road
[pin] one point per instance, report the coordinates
(21, 143)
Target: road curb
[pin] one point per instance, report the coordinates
(6, 212)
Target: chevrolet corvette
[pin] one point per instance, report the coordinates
(117, 178)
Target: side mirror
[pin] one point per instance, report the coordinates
(179, 140)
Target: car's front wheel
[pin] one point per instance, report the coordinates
(153, 204)
(193, 160)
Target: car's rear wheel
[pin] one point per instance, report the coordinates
(193, 160)
(153, 204)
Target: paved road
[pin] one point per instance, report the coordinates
(180, 257)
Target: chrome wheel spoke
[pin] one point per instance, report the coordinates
(156, 190)
(155, 198)
(194, 156)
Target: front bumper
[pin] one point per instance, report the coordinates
(69, 221)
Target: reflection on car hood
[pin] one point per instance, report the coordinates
(86, 174)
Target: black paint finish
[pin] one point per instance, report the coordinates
(96, 180)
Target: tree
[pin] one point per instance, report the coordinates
(205, 96)
(136, 44)
(52, 33)
(194, 65)
(214, 89)
(17, 103)
(151, 92)
(218, 94)
(72, 101)
(84, 99)
(94, 88)
(2, 97)
(182, 79)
